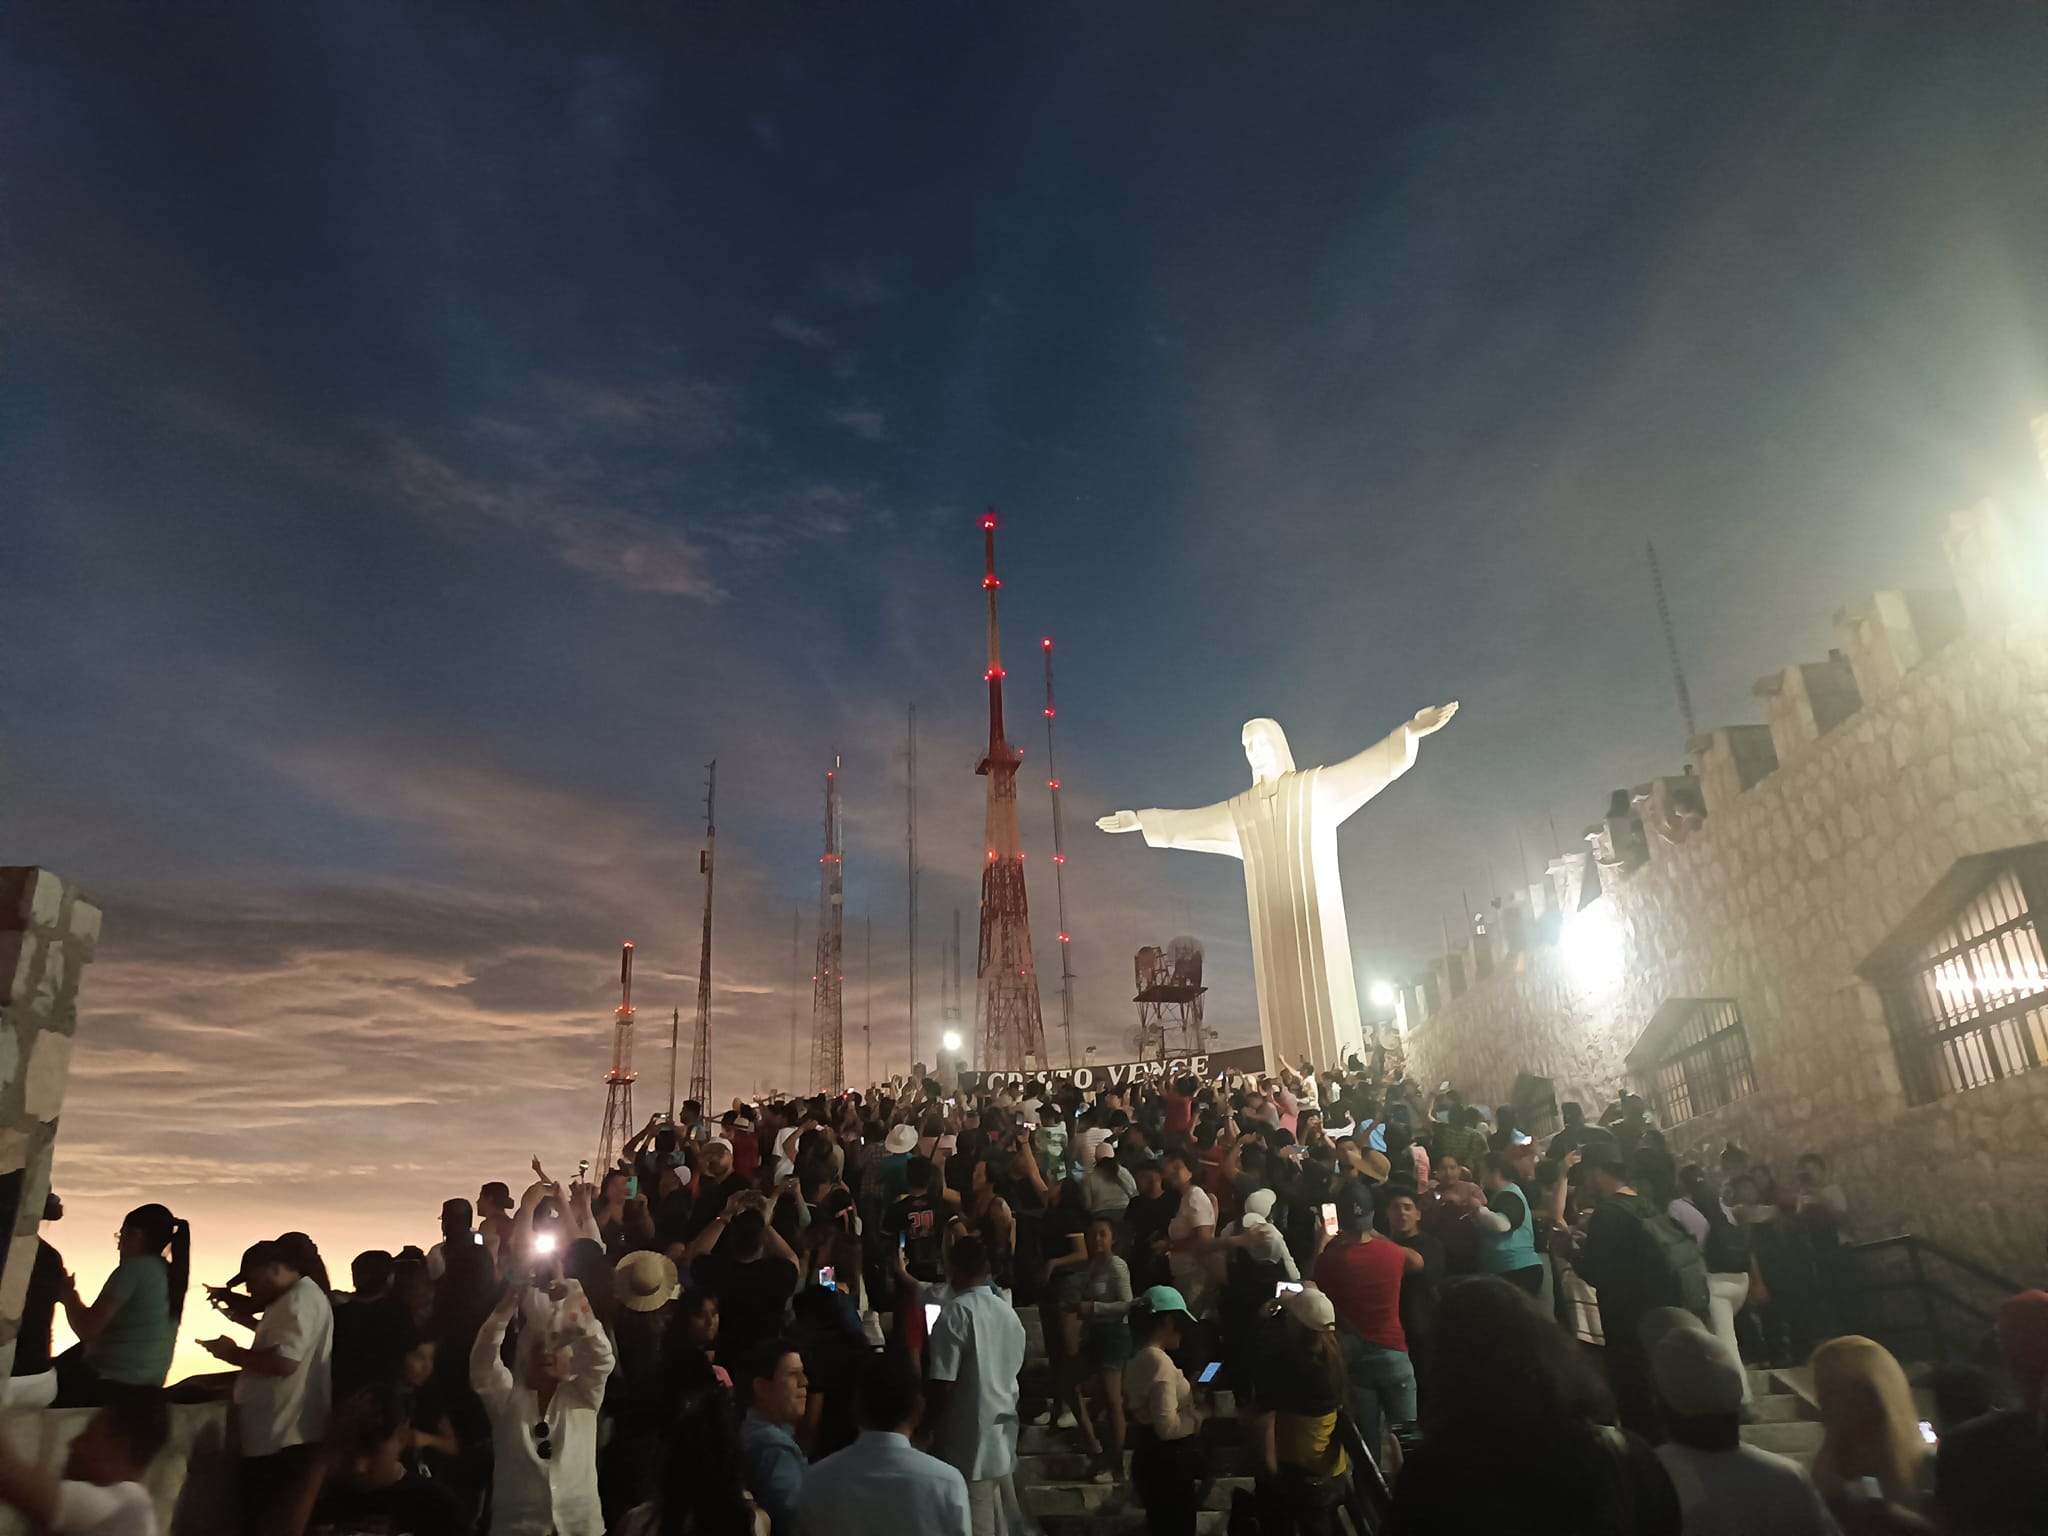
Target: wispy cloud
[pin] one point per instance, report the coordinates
(789, 328)
(690, 412)
(623, 547)
(864, 423)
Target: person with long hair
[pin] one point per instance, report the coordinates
(1506, 1388)
(1872, 1429)
(1104, 1305)
(1298, 1392)
(127, 1335)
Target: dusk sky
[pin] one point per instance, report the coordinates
(430, 432)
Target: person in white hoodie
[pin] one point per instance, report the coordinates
(544, 1422)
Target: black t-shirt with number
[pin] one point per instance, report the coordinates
(920, 1228)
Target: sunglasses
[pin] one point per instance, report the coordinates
(543, 1447)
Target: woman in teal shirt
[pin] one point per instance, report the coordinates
(127, 1335)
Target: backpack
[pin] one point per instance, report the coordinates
(1680, 1253)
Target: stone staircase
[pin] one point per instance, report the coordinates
(1055, 1474)
(1781, 1419)
(1056, 1487)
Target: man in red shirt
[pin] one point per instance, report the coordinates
(1361, 1273)
(1180, 1105)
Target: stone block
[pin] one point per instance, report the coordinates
(49, 1068)
(29, 897)
(18, 951)
(85, 928)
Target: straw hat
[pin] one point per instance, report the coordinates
(644, 1281)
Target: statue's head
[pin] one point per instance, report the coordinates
(1265, 748)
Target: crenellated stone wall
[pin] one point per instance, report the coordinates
(48, 933)
(1784, 889)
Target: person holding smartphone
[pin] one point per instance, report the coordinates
(1168, 1462)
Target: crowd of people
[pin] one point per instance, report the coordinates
(802, 1318)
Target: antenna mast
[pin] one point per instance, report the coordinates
(1670, 641)
(618, 1083)
(867, 976)
(707, 861)
(828, 1041)
(795, 980)
(910, 839)
(1010, 1027)
(1059, 864)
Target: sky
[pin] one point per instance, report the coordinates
(430, 434)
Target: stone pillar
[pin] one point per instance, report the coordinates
(1804, 702)
(1889, 633)
(1988, 566)
(47, 935)
(1730, 760)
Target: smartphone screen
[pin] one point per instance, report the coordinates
(825, 1275)
(931, 1316)
(902, 1241)
(477, 1238)
(1209, 1372)
(1286, 1287)
(633, 1187)
(1330, 1219)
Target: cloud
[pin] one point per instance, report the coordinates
(686, 411)
(857, 285)
(865, 423)
(789, 328)
(623, 547)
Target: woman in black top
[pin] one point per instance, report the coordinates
(1516, 1434)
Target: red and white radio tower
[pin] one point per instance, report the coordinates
(618, 1083)
(1006, 991)
(828, 1049)
(1059, 865)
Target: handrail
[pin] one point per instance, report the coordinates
(1369, 1500)
(1947, 1255)
(1930, 1294)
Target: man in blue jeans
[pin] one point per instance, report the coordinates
(1361, 1273)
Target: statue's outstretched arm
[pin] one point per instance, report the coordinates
(1344, 787)
(1210, 829)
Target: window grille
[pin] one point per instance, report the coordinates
(1971, 1005)
(1703, 1062)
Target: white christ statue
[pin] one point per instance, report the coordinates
(1285, 829)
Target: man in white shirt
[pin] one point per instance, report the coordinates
(283, 1394)
(974, 1354)
(544, 1424)
(101, 1492)
(879, 1486)
(1725, 1488)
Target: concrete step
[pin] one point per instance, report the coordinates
(1799, 1440)
(1776, 1408)
(1073, 1464)
(1126, 1522)
(1079, 1498)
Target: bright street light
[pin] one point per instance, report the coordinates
(1383, 994)
(950, 1039)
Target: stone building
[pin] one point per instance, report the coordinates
(1824, 935)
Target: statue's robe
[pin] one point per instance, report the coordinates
(1285, 831)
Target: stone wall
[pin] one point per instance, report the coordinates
(47, 936)
(1776, 898)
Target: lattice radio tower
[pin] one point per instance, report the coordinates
(618, 1083)
(828, 981)
(1006, 1009)
(1059, 864)
(707, 862)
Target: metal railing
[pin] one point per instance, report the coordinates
(1909, 1291)
(1367, 1502)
